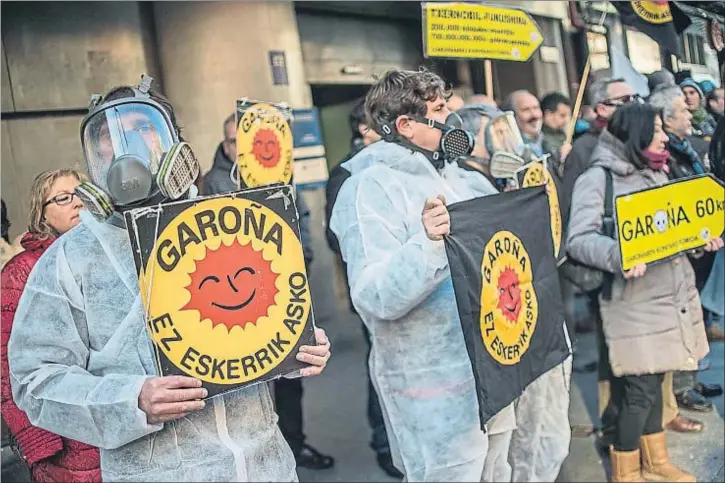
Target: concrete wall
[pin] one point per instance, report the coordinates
(213, 53)
(55, 55)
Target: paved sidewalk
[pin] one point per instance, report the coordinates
(699, 453)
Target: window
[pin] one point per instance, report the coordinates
(644, 53)
(693, 49)
(598, 50)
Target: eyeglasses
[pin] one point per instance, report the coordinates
(621, 100)
(61, 199)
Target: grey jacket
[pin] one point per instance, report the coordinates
(652, 324)
(219, 181)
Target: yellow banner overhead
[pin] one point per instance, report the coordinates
(657, 223)
(475, 31)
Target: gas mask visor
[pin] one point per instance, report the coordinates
(123, 146)
(133, 154)
(503, 134)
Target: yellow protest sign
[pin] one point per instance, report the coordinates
(224, 286)
(537, 174)
(657, 223)
(474, 31)
(264, 144)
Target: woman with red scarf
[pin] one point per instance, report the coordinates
(54, 210)
(651, 318)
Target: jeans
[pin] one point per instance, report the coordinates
(379, 442)
(640, 408)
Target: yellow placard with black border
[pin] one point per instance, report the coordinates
(658, 223)
(224, 286)
(265, 147)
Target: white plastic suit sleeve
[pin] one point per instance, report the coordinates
(48, 352)
(389, 273)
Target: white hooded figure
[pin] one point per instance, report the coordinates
(80, 355)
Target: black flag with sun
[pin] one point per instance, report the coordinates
(224, 286)
(661, 21)
(501, 255)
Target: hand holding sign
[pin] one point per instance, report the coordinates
(714, 245)
(636, 272)
(436, 221)
(317, 355)
(170, 397)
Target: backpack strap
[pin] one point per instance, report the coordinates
(608, 227)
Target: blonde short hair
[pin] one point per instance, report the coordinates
(38, 194)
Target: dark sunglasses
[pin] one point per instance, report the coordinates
(61, 199)
(621, 100)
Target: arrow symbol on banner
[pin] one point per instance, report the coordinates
(657, 223)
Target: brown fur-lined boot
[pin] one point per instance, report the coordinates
(625, 465)
(656, 465)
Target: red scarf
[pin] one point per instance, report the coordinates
(656, 161)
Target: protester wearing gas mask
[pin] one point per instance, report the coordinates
(81, 361)
(400, 281)
(540, 442)
(479, 120)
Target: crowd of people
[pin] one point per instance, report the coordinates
(81, 395)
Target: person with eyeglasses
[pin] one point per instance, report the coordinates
(54, 210)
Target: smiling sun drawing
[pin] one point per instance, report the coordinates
(266, 148)
(232, 285)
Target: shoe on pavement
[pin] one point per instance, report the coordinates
(715, 333)
(694, 401)
(708, 390)
(385, 461)
(683, 424)
(310, 458)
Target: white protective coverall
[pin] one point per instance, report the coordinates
(540, 443)
(400, 284)
(80, 352)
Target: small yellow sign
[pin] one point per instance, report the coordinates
(474, 31)
(537, 174)
(657, 223)
(264, 144)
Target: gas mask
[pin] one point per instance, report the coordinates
(455, 142)
(134, 155)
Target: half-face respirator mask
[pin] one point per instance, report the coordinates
(455, 142)
(134, 155)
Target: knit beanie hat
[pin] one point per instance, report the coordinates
(691, 83)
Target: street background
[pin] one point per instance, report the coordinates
(207, 55)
